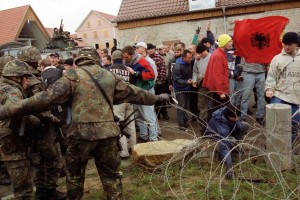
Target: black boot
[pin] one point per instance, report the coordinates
(260, 121)
(40, 193)
(53, 194)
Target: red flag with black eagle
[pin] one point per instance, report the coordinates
(258, 40)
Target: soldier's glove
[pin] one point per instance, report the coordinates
(47, 116)
(163, 98)
(32, 121)
(198, 30)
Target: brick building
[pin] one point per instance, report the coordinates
(170, 21)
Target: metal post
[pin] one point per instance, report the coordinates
(224, 19)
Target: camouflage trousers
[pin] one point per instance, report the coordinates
(19, 173)
(107, 160)
(47, 160)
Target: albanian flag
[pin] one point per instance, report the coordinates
(258, 40)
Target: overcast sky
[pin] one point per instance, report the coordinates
(50, 12)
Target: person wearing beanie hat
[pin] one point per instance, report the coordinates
(223, 40)
(231, 112)
(226, 127)
(125, 109)
(69, 63)
(199, 70)
(290, 38)
(118, 67)
(216, 77)
(117, 55)
(283, 78)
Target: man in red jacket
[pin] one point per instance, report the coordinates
(216, 76)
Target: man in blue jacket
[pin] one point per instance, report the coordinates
(182, 82)
(226, 127)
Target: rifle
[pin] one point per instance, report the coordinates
(124, 123)
(61, 134)
(61, 29)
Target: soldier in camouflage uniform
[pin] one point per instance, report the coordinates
(3, 60)
(13, 146)
(46, 157)
(93, 132)
(4, 176)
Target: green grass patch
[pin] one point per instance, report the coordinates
(206, 181)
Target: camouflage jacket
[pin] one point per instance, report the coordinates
(91, 113)
(10, 93)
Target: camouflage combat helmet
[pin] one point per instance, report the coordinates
(87, 52)
(29, 54)
(3, 60)
(16, 68)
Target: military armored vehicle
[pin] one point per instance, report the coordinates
(11, 48)
(61, 43)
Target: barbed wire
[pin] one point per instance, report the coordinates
(253, 166)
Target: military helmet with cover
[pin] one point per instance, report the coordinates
(5, 59)
(29, 54)
(87, 52)
(16, 68)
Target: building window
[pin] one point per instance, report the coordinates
(88, 24)
(95, 34)
(84, 35)
(105, 33)
(99, 23)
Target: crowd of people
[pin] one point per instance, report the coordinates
(72, 119)
(91, 106)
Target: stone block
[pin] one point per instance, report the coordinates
(153, 154)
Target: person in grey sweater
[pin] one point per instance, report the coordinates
(283, 80)
(199, 70)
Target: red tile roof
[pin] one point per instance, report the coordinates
(136, 9)
(241, 2)
(10, 22)
(105, 15)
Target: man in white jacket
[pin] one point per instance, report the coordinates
(283, 80)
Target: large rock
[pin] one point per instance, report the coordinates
(152, 154)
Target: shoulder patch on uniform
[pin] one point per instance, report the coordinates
(13, 94)
(72, 75)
